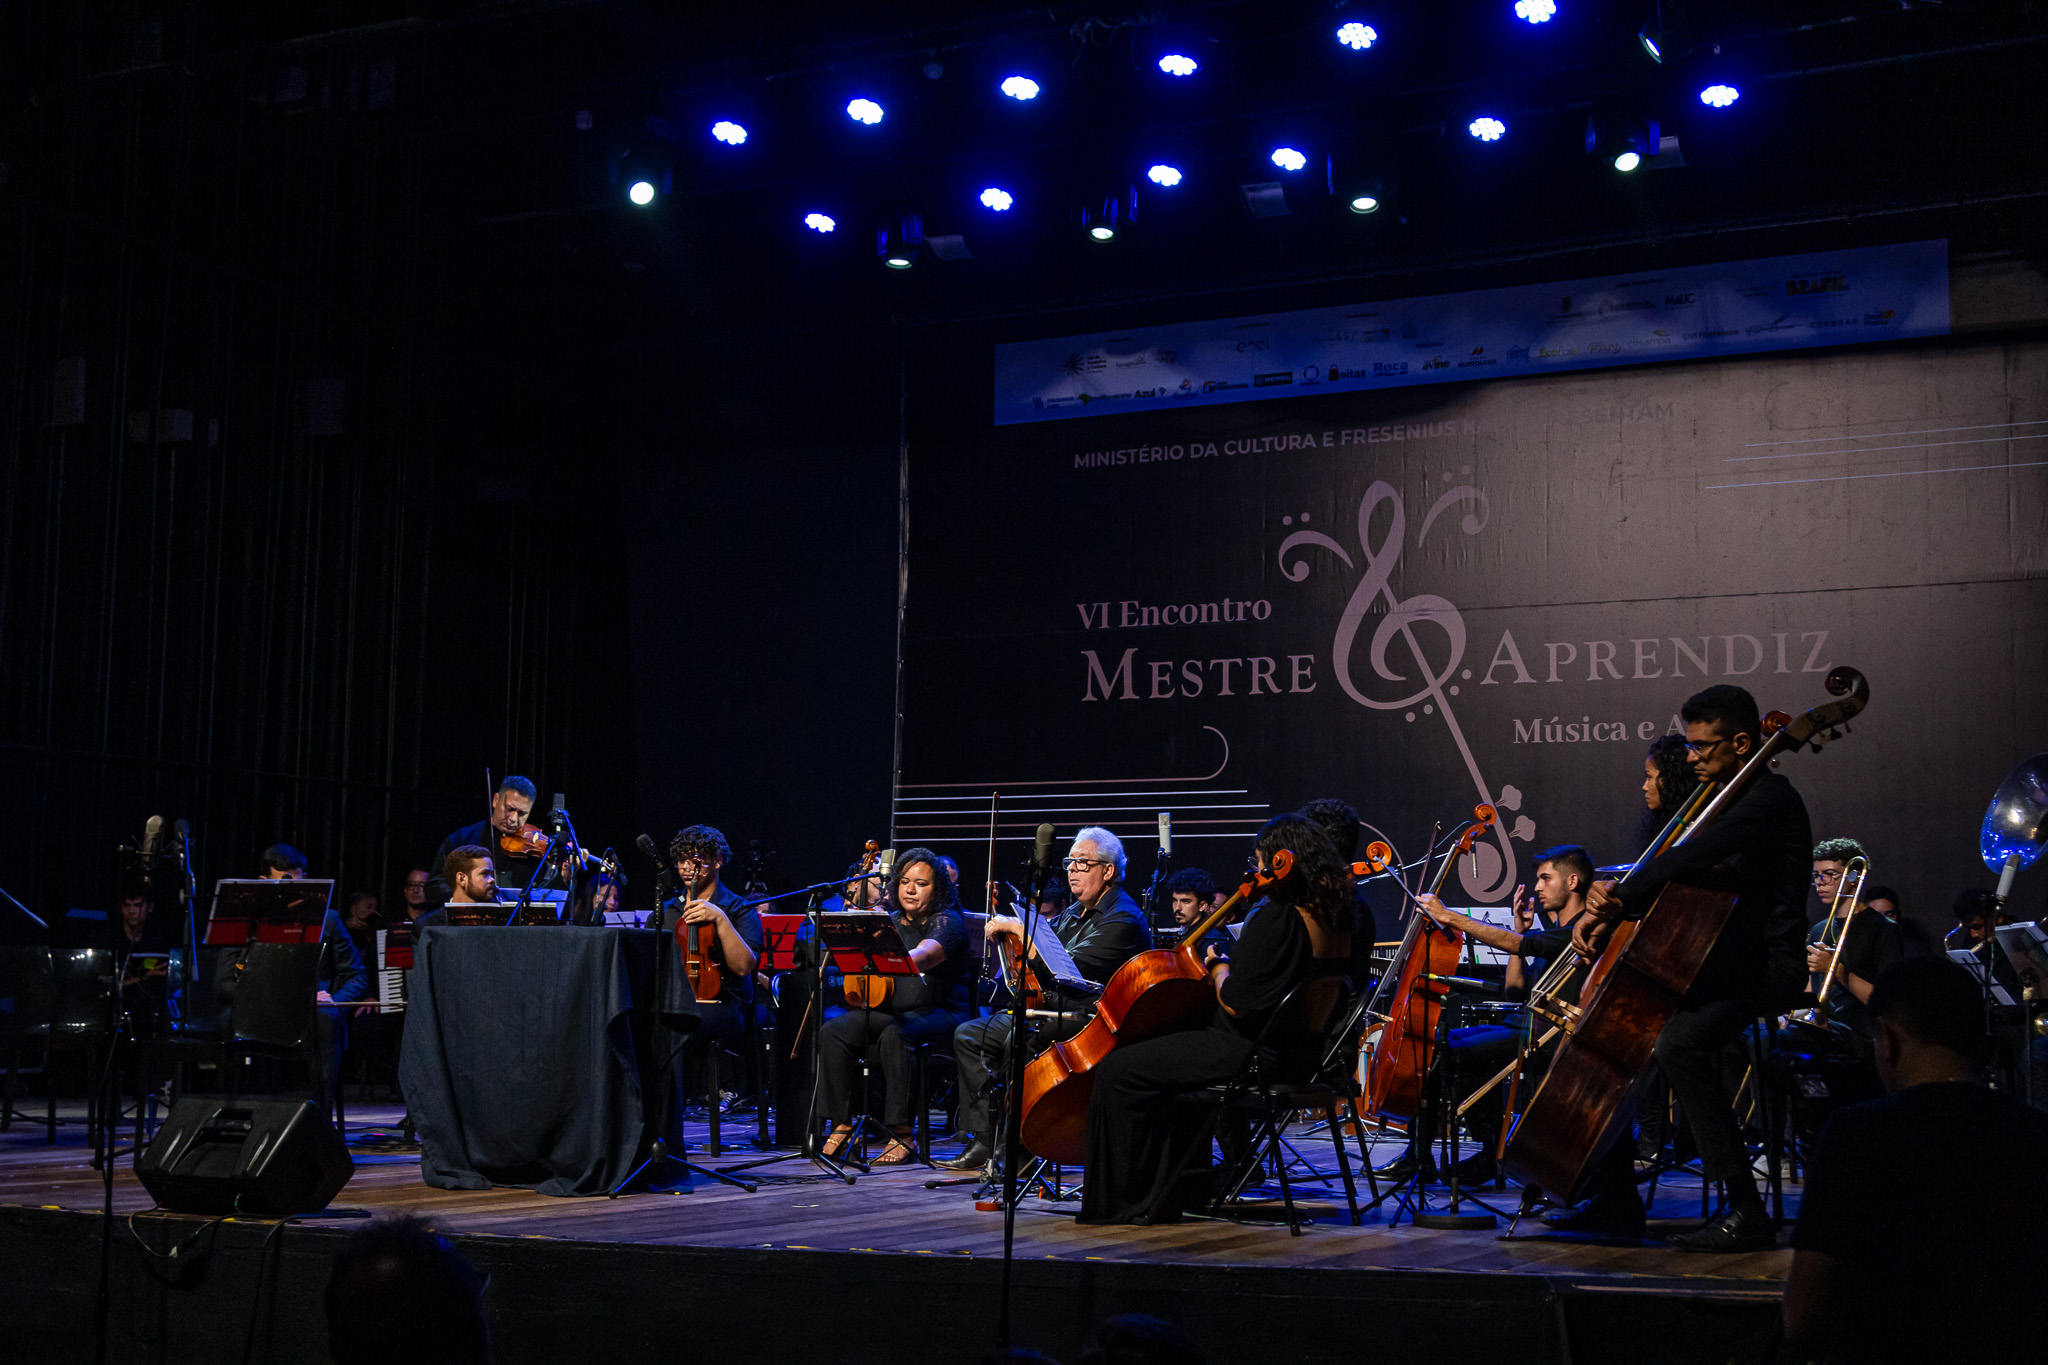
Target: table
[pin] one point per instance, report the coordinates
(528, 1052)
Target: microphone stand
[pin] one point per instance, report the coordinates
(810, 1152)
(1008, 1151)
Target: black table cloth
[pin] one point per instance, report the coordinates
(528, 1053)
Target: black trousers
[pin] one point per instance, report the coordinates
(981, 1051)
(895, 1038)
(1141, 1130)
(1689, 1054)
(1476, 1054)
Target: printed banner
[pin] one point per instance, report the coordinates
(1786, 302)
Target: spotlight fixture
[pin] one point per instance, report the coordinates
(1287, 159)
(1356, 36)
(899, 243)
(1020, 87)
(641, 192)
(1536, 11)
(1652, 40)
(1106, 217)
(1365, 203)
(1164, 176)
(819, 222)
(1487, 129)
(897, 260)
(1628, 161)
(997, 199)
(1176, 64)
(1665, 31)
(1719, 96)
(728, 132)
(1102, 232)
(1626, 136)
(864, 111)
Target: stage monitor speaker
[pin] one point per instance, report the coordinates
(233, 1154)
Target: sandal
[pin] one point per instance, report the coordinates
(835, 1142)
(901, 1151)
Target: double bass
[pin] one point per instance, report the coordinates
(1160, 991)
(1639, 978)
(1409, 1006)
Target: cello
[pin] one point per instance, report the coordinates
(1640, 977)
(1160, 991)
(1408, 1006)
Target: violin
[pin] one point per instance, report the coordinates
(530, 841)
(865, 990)
(695, 942)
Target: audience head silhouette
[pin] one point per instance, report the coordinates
(401, 1292)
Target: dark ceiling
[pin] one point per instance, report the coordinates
(1858, 119)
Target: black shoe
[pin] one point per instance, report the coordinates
(1403, 1168)
(1477, 1169)
(1600, 1218)
(1739, 1229)
(973, 1159)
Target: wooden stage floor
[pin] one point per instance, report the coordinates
(795, 1218)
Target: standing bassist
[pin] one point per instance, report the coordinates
(1757, 849)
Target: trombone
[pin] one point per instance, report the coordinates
(1834, 930)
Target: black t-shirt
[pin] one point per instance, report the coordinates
(949, 985)
(1872, 944)
(1934, 1203)
(1274, 956)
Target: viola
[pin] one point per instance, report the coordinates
(1641, 975)
(1407, 1005)
(866, 990)
(1164, 990)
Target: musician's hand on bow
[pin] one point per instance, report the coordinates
(1603, 901)
(1004, 924)
(1434, 908)
(323, 998)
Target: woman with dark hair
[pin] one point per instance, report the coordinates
(924, 905)
(1139, 1130)
(1667, 780)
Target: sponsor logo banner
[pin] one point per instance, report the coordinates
(1782, 303)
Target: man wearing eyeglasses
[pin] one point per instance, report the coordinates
(699, 853)
(1759, 848)
(1103, 928)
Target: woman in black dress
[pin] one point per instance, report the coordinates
(926, 1008)
(1139, 1129)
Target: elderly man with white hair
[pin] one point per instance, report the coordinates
(1103, 929)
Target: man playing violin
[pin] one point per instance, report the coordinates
(499, 832)
(1759, 848)
(1103, 929)
(699, 854)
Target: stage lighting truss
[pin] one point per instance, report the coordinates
(1356, 36)
(1536, 11)
(1487, 128)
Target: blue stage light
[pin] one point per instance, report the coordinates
(728, 132)
(1164, 175)
(999, 200)
(1356, 36)
(864, 111)
(1287, 159)
(1365, 203)
(641, 192)
(1536, 11)
(1487, 129)
(1720, 96)
(1101, 233)
(818, 222)
(1628, 161)
(1020, 87)
(1174, 64)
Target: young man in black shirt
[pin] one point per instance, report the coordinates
(1103, 929)
(1759, 848)
(1924, 1225)
(700, 854)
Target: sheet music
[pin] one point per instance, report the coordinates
(1058, 960)
(2026, 947)
(1977, 971)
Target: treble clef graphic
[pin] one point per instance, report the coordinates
(1487, 878)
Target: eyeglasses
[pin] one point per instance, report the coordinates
(1076, 864)
(1827, 875)
(1700, 750)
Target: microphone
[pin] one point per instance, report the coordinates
(1166, 834)
(1041, 852)
(1463, 983)
(2005, 876)
(151, 850)
(886, 863)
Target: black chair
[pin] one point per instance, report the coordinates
(1325, 1012)
(28, 1010)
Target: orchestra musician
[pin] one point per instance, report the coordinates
(511, 804)
(1103, 929)
(1564, 875)
(924, 906)
(1140, 1132)
(342, 979)
(414, 893)
(700, 853)
(1870, 941)
(1759, 848)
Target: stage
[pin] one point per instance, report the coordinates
(791, 1273)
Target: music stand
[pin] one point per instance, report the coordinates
(780, 935)
(260, 910)
(865, 943)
